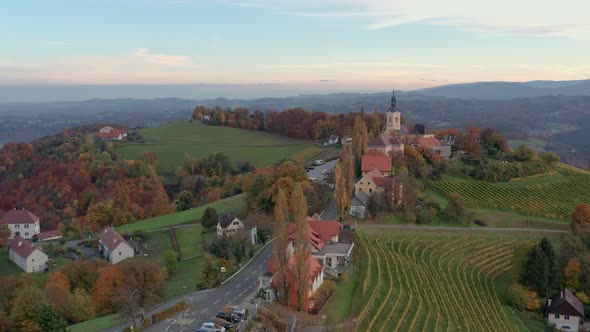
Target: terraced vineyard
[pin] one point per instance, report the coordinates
(430, 284)
(553, 196)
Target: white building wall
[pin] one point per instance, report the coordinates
(26, 231)
(570, 324)
(121, 253)
(36, 262)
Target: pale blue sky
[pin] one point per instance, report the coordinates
(335, 44)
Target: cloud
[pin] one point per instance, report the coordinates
(568, 18)
(163, 59)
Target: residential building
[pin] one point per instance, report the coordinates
(332, 140)
(49, 235)
(111, 134)
(229, 225)
(22, 222)
(373, 182)
(432, 146)
(565, 311)
(386, 145)
(113, 246)
(27, 256)
(381, 163)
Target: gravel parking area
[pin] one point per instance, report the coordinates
(318, 171)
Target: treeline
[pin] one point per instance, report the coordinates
(79, 184)
(296, 122)
(78, 292)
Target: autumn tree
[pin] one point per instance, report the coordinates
(51, 320)
(5, 234)
(170, 261)
(456, 210)
(572, 273)
(101, 214)
(302, 251)
(525, 153)
(151, 159)
(580, 218)
(281, 242)
(79, 306)
(110, 279)
(57, 291)
(468, 144)
(210, 218)
(184, 201)
(26, 309)
(360, 138)
(549, 158)
(341, 195)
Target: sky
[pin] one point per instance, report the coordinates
(337, 45)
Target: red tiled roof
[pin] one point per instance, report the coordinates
(427, 142)
(380, 162)
(112, 134)
(383, 181)
(19, 217)
(312, 235)
(48, 235)
(325, 228)
(22, 247)
(378, 141)
(110, 238)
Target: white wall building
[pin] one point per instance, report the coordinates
(26, 255)
(22, 222)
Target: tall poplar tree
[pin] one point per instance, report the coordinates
(303, 250)
(281, 242)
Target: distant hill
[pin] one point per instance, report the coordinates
(509, 90)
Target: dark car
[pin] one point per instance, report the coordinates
(228, 317)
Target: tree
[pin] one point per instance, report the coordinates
(79, 306)
(550, 158)
(210, 274)
(170, 261)
(126, 301)
(360, 138)
(281, 243)
(110, 279)
(184, 201)
(57, 291)
(580, 218)
(26, 308)
(541, 272)
(210, 218)
(468, 144)
(5, 234)
(101, 214)
(456, 210)
(525, 153)
(152, 160)
(302, 250)
(498, 141)
(51, 320)
(572, 273)
(341, 195)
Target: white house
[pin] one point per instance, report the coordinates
(106, 129)
(22, 222)
(113, 246)
(565, 311)
(26, 255)
(333, 139)
(229, 225)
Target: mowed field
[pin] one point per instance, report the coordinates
(434, 283)
(553, 196)
(174, 142)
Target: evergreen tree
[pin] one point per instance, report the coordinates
(541, 272)
(184, 201)
(50, 320)
(210, 218)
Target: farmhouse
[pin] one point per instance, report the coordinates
(229, 225)
(432, 146)
(381, 163)
(113, 247)
(386, 145)
(26, 255)
(373, 182)
(22, 222)
(332, 140)
(111, 134)
(565, 311)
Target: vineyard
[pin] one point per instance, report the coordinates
(434, 284)
(554, 196)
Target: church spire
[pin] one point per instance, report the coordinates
(393, 106)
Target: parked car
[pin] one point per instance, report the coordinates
(213, 327)
(223, 323)
(326, 171)
(312, 179)
(238, 311)
(228, 317)
(319, 162)
(309, 168)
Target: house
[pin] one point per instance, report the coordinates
(206, 118)
(111, 134)
(381, 163)
(113, 246)
(229, 225)
(386, 145)
(49, 235)
(26, 255)
(22, 222)
(333, 139)
(315, 278)
(565, 311)
(373, 182)
(432, 146)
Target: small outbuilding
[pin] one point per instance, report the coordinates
(26, 255)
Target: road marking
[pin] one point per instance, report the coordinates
(191, 321)
(253, 272)
(226, 294)
(238, 286)
(247, 279)
(204, 310)
(216, 301)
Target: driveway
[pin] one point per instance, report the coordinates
(317, 172)
(331, 212)
(233, 292)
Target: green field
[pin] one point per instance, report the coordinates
(434, 283)
(97, 324)
(190, 241)
(173, 142)
(554, 196)
(7, 267)
(232, 204)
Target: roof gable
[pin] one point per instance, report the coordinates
(19, 217)
(566, 303)
(22, 247)
(380, 162)
(427, 142)
(226, 220)
(111, 239)
(326, 229)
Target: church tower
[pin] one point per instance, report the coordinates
(393, 117)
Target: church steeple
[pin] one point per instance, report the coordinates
(393, 116)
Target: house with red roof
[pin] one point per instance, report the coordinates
(49, 235)
(113, 246)
(386, 144)
(111, 134)
(381, 163)
(22, 222)
(432, 146)
(27, 256)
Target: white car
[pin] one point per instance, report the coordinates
(319, 162)
(238, 310)
(212, 327)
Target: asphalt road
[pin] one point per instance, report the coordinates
(233, 292)
(317, 171)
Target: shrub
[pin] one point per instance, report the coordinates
(480, 222)
(159, 316)
(522, 298)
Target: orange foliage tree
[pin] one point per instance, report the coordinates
(110, 279)
(57, 291)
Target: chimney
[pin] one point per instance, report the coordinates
(561, 295)
(20, 243)
(548, 302)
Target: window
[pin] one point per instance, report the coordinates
(370, 190)
(27, 234)
(119, 253)
(566, 317)
(26, 226)
(16, 226)
(557, 316)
